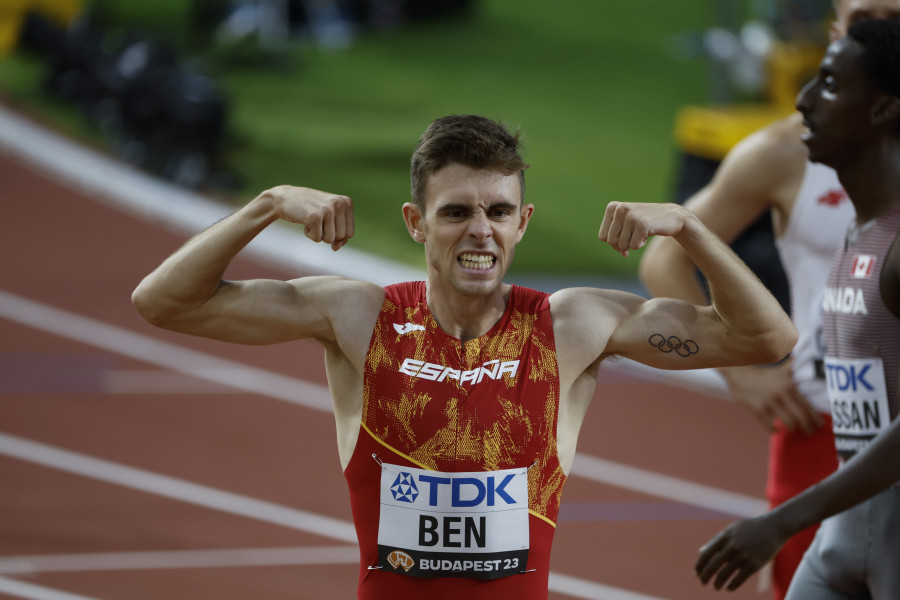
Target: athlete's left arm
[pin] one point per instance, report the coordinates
(743, 325)
(744, 547)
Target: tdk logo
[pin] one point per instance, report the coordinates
(848, 378)
(404, 488)
(464, 492)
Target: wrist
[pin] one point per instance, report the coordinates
(266, 207)
(790, 518)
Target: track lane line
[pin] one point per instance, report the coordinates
(179, 559)
(20, 589)
(175, 488)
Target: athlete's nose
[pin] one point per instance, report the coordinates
(480, 226)
(803, 100)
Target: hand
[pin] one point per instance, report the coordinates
(739, 551)
(327, 217)
(771, 395)
(627, 225)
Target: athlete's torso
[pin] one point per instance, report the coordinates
(468, 411)
(817, 223)
(862, 337)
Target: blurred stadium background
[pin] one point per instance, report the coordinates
(632, 101)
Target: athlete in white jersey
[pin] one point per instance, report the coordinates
(807, 245)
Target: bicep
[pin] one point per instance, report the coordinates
(266, 311)
(673, 334)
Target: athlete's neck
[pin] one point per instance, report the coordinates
(466, 317)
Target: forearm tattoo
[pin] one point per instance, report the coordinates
(674, 344)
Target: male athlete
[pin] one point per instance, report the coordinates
(458, 400)
(851, 112)
(770, 171)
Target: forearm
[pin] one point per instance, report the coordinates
(873, 470)
(194, 273)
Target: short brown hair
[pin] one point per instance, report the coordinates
(470, 140)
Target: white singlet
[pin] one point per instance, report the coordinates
(816, 226)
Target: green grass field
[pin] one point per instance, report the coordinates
(590, 83)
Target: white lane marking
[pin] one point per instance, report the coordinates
(170, 487)
(156, 382)
(20, 589)
(665, 486)
(297, 391)
(177, 489)
(171, 356)
(179, 559)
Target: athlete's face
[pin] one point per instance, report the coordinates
(849, 12)
(472, 221)
(837, 105)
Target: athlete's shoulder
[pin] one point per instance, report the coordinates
(406, 293)
(778, 145)
(527, 299)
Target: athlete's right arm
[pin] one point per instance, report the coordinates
(187, 292)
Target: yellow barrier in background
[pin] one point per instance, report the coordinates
(12, 16)
(711, 131)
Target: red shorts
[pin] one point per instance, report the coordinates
(796, 461)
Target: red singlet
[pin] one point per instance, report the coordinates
(434, 403)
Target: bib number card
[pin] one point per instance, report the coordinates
(435, 524)
(859, 404)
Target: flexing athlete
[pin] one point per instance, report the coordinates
(458, 400)
(852, 112)
(769, 171)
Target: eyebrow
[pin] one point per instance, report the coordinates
(503, 204)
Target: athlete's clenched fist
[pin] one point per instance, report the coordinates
(627, 225)
(327, 217)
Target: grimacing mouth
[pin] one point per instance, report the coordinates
(476, 260)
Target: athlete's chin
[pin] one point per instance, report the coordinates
(477, 287)
(813, 153)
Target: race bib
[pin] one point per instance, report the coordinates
(859, 405)
(435, 524)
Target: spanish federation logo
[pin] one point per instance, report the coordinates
(404, 488)
(407, 328)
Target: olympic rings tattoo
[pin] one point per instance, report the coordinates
(673, 344)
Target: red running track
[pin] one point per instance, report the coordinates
(127, 472)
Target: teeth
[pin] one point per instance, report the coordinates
(476, 261)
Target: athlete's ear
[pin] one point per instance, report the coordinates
(412, 216)
(886, 111)
(524, 217)
(834, 32)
